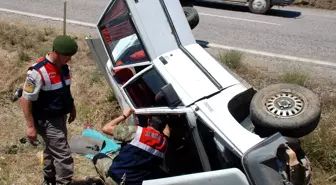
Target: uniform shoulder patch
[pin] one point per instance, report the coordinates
(30, 84)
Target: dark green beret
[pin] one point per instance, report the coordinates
(65, 45)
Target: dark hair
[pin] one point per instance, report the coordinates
(158, 123)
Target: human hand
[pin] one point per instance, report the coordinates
(72, 115)
(128, 112)
(31, 133)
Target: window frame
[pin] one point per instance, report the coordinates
(136, 32)
(136, 77)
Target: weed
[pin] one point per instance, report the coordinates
(321, 148)
(23, 56)
(48, 31)
(27, 44)
(329, 101)
(75, 37)
(41, 37)
(13, 41)
(295, 77)
(232, 59)
(42, 51)
(96, 77)
(111, 96)
(11, 38)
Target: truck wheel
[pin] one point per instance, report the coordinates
(290, 109)
(259, 6)
(192, 16)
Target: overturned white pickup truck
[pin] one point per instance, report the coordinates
(223, 130)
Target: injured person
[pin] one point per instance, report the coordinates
(141, 153)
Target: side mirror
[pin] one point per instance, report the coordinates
(170, 95)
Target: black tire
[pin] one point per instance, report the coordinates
(263, 10)
(192, 16)
(296, 119)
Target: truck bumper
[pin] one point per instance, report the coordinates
(282, 2)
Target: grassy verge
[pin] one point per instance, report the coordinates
(320, 145)
(322, 4)
(20, 46)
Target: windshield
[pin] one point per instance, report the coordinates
(119, 35)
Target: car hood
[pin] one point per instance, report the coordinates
(190, 80)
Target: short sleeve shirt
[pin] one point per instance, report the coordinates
(32, 85)
(124, 132)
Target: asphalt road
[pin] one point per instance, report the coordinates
(298, 32)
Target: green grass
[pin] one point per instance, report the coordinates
(41, 37)
(48, 31)
(42, 51)
(295, 77)
(27, 43)
(111, 96)
(23, 56)
(232, 59)
(96, 77)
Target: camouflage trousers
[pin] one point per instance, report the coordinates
(102, 163)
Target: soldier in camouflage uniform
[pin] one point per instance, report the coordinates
(141, 153)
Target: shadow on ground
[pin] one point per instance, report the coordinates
(202, 43)
(241, 8)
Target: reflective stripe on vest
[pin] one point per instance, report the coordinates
(55, 98)
(52, 80)
(150, 140)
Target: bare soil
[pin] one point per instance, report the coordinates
(323, 4)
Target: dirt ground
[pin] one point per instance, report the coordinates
(323, 4)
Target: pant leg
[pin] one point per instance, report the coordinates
(48, 161)
(48, 166)
(102, 163)
(57, 144)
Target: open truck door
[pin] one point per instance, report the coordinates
(104, 64)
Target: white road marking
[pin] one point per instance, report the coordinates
(211, 45)
(325, 16)
(240, 19)
(48, 17)
(262, 53)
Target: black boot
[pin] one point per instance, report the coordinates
(49, 181)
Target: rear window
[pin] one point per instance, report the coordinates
(119, 35)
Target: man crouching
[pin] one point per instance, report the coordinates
(141, 153)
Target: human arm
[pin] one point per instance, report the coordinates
(109, 127)
(30, 93)
(73, 114)
(26, 106)
(166, 131)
